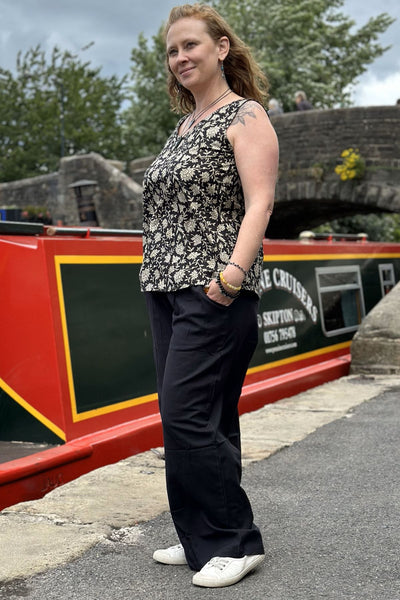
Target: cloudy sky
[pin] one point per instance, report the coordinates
(115, 24)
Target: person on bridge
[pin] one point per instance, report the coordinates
(274, 108)
(301, 101)
(207, 201)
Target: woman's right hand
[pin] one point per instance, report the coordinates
(214, 293)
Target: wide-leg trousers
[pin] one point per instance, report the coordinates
(202, 350)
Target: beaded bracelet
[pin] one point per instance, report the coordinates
(238, 267)
(229, 285)
(223, 290)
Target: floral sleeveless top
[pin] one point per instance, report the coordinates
(193, 206)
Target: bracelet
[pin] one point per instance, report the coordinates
(229, 285)
(238, 267)
(223, 290)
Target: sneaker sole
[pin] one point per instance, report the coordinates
(204, 582)
(160, 557)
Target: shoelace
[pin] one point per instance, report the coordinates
(219, 562)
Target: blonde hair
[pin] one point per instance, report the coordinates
(242, 73)
(300, 94)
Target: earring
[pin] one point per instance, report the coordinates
(222, 71)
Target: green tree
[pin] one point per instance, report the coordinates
(57, 107)
(379, 227)
(149, 119)
(308, 45)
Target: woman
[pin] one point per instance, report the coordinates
(207, 201)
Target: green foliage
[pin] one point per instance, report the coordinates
(62, 106)
(379, 227)
(148, 120)
(54, 108)
(308, 45)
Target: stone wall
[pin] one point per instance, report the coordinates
(376, 345)
(319, 136)
(138, 167)
(308, 192)
(117, 198)
(35, 191)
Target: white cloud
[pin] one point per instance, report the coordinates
(372, 91)
(114, 27)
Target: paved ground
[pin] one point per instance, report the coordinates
(327, 504)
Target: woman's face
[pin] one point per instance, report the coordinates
(193, 56)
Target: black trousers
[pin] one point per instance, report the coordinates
(202, 351)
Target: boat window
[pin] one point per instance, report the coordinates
(386, 277)
(341, 299)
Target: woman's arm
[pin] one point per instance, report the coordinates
(255, 146)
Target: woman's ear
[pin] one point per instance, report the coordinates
(224, 46)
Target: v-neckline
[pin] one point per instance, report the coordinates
(180, 137)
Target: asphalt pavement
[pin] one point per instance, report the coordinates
(322, 473)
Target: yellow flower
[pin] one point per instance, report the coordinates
(353, 165)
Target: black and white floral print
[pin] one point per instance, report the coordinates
(193, 206)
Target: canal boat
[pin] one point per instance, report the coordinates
(77, 380)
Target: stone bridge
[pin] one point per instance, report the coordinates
(309, 192)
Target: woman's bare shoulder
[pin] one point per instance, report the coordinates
(250, 109)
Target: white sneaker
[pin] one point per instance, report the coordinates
(175, 555)
(221, 571)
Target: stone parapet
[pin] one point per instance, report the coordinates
(34, 191)
(314, 136)
(138, 167)
(376, 346)
(117, 199)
